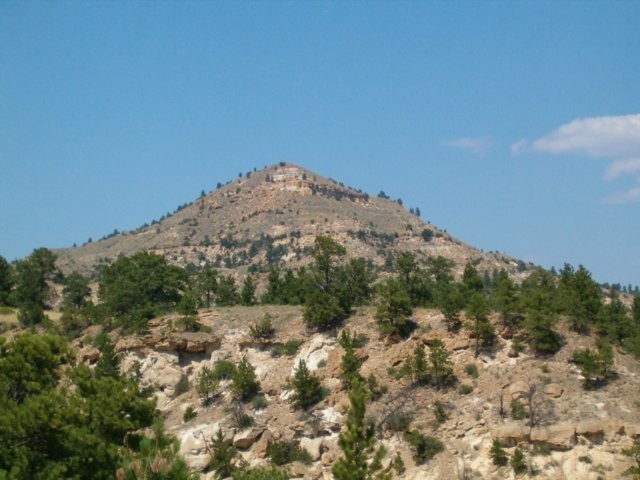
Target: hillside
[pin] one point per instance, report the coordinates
(270, 217)
(579, 434)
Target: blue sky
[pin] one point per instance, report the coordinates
(513, 125)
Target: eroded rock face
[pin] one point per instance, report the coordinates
(314, 352)
(511, 434)
(181, 342)
(194, 444)
(558, 437)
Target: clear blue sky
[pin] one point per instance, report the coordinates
(513, 125)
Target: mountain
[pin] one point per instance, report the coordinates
(271, 217)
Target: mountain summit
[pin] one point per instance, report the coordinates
(270, 217)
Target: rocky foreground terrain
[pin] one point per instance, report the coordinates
(578, 434)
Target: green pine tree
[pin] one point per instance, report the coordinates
(244, 382)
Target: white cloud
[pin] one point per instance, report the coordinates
(613, 136)
(473, 144)
(627, 166)
(630, 196)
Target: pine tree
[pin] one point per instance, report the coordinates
(248, 292)
(441, 366)
(518, 462)
(244, 381)
(307, 390)
(360, 460)
(350, 364)
(497, 453)
(108, 365)
(481, 328)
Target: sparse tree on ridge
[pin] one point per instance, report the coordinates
(32, 289)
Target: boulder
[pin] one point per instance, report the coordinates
(246, 438)
(298, 469)
(511, 434)
(517, 389)
(553, 390)
(260, 447)
(314, 446)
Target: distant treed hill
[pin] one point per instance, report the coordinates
(270, 218)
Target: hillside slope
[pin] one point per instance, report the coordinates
(578, 434)
(269, 217)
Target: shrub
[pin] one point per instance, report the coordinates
(241, 419)
(259, 402)
(375, 389)
(288, 349)
(262, 330)
(471, 369)
(188, 324)
(518, 462)
(497, 453)
(439, 413)
(398, 464)
(398, 421)
(541, 448)
(189, 414)
(182, 386)
(424, 447)
(518, 411)
(223, 370)
(465, 389)
(282, 452)
(206, 385)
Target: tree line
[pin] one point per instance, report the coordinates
(134, 289)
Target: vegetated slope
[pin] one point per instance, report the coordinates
(270, 217)
(577, 433)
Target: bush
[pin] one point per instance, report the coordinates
(223, 370)
(259, 402)
(424, 447)
(282, 452)
(398, 421)
(471, 369)
(439, 413)
(182, 386)
(465, 389)
(288, 349)
(189, 414)
(188, 324)
(206, 385)
(518, 411)
(241, 419)
(262, 330)
(497, 453)
(518, 462)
